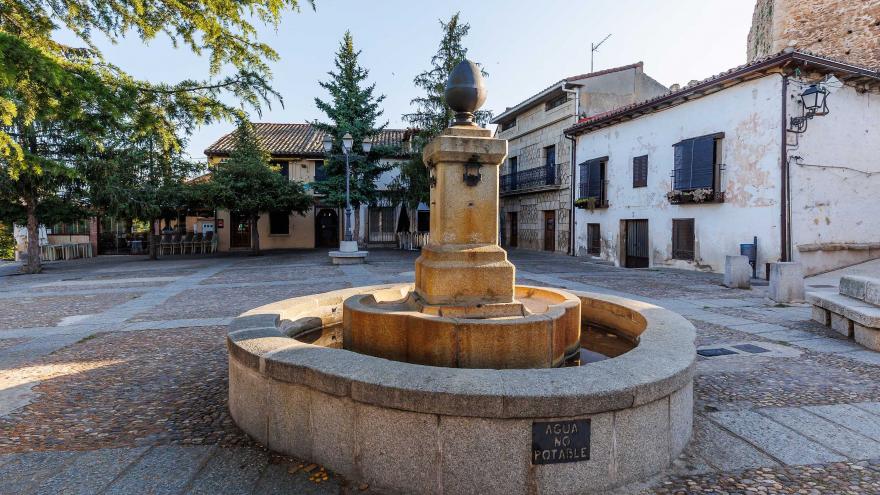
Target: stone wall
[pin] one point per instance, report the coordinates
(848, 30)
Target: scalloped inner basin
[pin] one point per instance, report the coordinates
(598, 343)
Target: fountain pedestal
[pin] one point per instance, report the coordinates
(463, 264)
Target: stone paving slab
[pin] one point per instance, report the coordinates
(871, 407)
(830, 435)
(90, 472)
(723, 451)
(164, 470)
(789, 335)
(774, 439)
(277, 481)
(25, 472)
(231, 472)
(824, 344)
(865, 356)
(758, 328)
(852, 417)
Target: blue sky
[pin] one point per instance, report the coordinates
(524, 45)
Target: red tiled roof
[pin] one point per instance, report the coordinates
(528, 102)
(701, 88)
(295, 140)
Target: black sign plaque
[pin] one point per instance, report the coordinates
(555, 442)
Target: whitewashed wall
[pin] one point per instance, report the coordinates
(749, 116)
(836, 211)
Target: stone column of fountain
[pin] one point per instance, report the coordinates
(465, 310)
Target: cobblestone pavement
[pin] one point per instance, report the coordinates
(113, 378)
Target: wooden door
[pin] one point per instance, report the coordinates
(512, 229)
(327, 228)
(549, 230)
(637, 246)
(239, 231)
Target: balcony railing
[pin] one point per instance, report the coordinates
(533, 178)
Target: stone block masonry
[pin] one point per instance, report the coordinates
(847, 30)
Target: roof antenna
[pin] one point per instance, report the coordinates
(594, 47)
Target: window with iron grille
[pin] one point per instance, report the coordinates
(279, 223)
(697, 163)
(594, 239)
(592, 180)
(510, 124)
(683, 239)
(640, 171)
(382, 224)
(555, 102)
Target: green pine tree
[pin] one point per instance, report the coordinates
(352, 108)
(432, 115)
(248, 185)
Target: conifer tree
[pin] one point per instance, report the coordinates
(352, 108)
(432, 114)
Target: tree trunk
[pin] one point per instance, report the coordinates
(34, 264)
(255, 236)
(154, 240)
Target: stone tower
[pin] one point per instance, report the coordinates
(847, 30)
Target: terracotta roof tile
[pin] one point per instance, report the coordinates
(697, 88)
(295, 140)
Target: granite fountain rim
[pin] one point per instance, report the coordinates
(661, 364)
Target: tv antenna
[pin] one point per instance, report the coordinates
(594, 47)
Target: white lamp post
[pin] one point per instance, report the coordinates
(347, 143)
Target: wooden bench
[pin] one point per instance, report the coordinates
(854, 311)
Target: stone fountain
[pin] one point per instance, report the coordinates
(465, 382)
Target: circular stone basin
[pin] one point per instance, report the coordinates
(540, 329)
(411, 428)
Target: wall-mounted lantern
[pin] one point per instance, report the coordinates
(813, 102)
(472, 175)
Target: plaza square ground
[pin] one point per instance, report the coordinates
(113, 377)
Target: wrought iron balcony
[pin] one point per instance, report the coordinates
(538, 178)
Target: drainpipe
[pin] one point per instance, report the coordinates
(571, 213)
(784, 220)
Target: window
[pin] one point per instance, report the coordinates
(555, 102)
(594, 239)
(550, 156)
(510, 124)
(697, 162)
(279, 223)
(512, 165)
(423, 221)
(79, 227)
(320, 171)
(640, 171)
(283, 168)
(683, 239)
(592, 180)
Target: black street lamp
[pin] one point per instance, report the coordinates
(813, 103)
(347, 143)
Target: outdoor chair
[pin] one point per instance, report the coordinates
(186, 243)
(165, 243)
(176, 244)
(197, 243)
(209, 244)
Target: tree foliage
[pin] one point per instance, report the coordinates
(246, 184)
(352, 108)
(63, 108)
(432, 115)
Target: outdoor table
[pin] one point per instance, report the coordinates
(137, 246)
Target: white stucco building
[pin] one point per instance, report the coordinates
(681, 180)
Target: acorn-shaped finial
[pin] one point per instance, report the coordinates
(465, 92)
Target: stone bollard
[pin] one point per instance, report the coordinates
(786, 282)
(737, 272)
